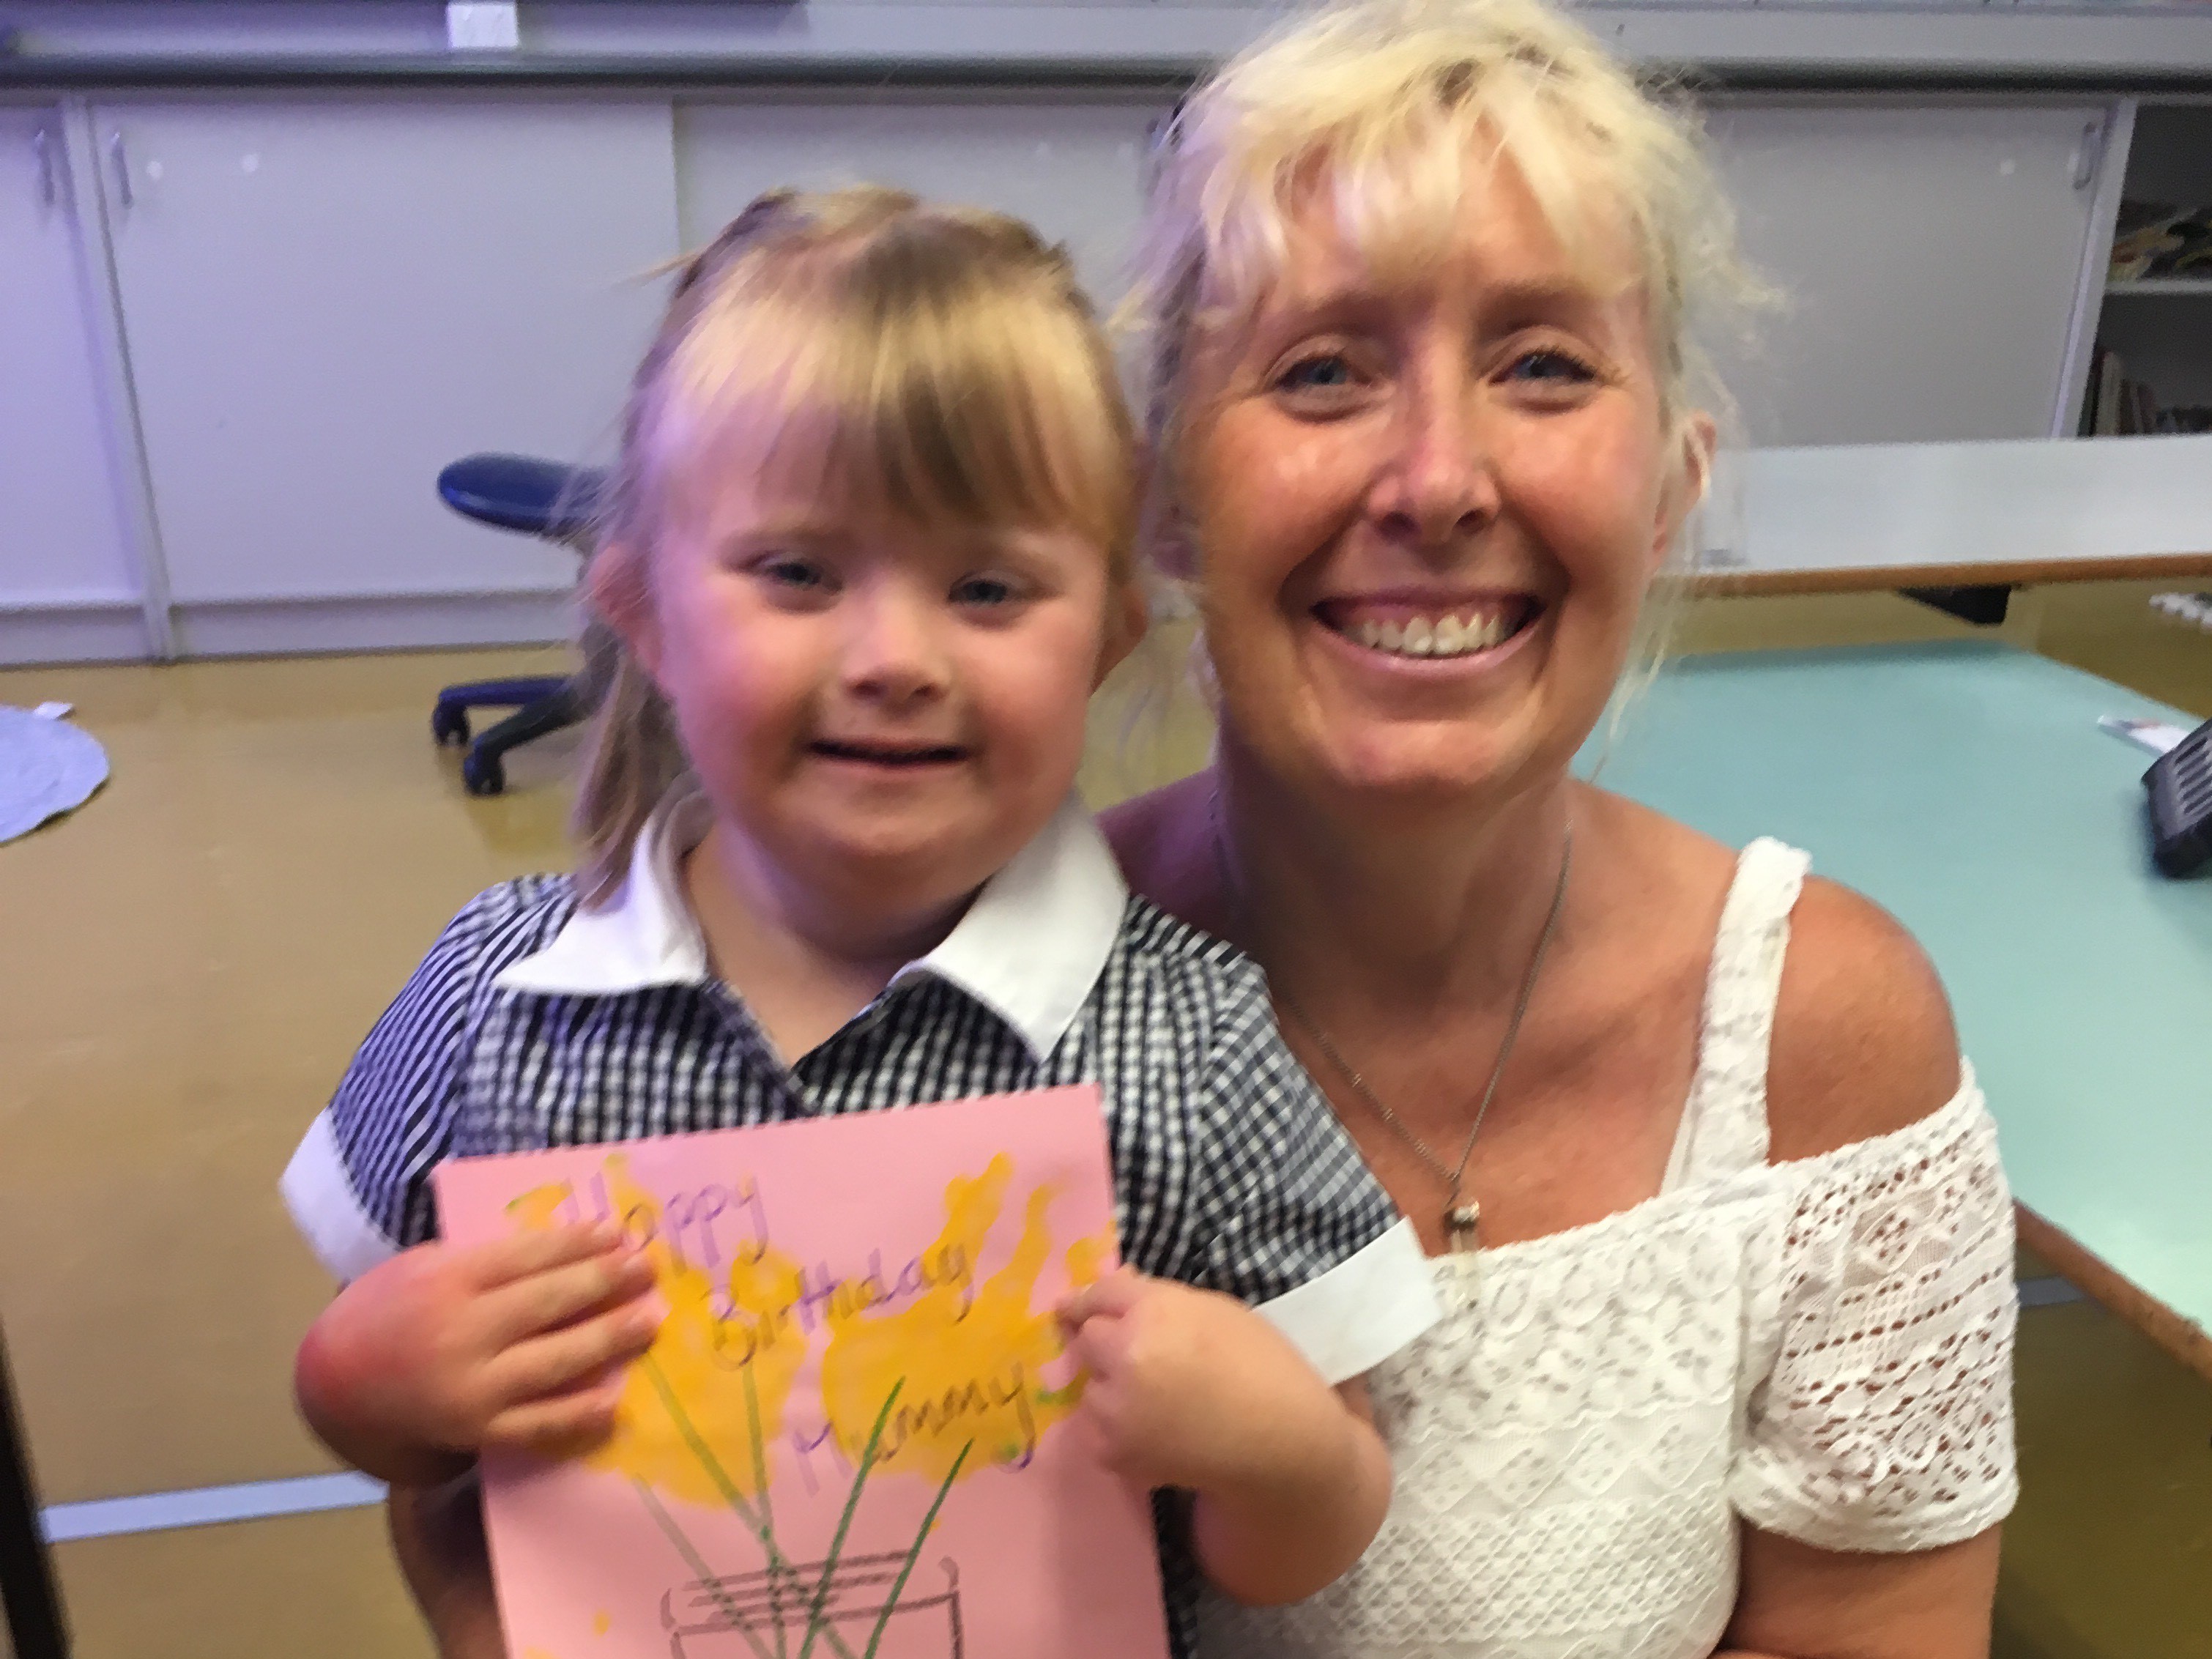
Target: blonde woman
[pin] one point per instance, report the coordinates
(1713, 1201)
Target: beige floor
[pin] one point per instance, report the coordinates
(186, 964)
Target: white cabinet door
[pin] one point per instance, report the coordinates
(1072, 164)
(325, 300)
(1931, 256)
(69, 587)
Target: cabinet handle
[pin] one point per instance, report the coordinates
(120, 162)
(2087, 153)
(49, 184)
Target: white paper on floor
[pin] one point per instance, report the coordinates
(47, 767)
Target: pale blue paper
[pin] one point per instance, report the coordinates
(46, 768)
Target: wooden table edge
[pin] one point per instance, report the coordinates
(2023, 573)
(2186, 1339)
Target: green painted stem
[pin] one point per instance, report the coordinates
(906, 1570)
(814, 1625)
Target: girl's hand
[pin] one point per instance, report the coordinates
(429, 1357)
(1191, 1389)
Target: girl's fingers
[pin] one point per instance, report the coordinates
(554, 1364)
(524, 1254)
(561, 1424)
(561, 1296)
(1099, 1345)
(1114, 1294)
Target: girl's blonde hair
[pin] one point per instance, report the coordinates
(940, 364)
(1383, 115)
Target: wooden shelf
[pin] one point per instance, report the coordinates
(2166, 285)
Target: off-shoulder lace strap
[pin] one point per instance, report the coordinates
(1724, 1129)
(1884, 1420)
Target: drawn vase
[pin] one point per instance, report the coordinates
(747, 1615)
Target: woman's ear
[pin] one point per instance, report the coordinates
(1170, 548)
(1692, 480)
(1128, 614)
(1165, 541)
(1173, 551)
(619, 591)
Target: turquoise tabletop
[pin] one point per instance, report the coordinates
(1967, 788)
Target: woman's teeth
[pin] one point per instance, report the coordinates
(1444, 636)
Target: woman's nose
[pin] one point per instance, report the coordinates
(894, 648)
(1438, 486)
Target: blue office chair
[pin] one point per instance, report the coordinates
(537, 498)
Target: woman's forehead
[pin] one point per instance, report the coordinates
(1350, 237)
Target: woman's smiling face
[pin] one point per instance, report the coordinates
(1426, 513)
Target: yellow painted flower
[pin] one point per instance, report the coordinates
(973, 1363)
(700, 1411)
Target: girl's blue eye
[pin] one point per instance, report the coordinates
(987, 592)
(788, 571)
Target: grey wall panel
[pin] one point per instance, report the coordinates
(61, 536)
(1070, 164)
(1930, 256)
(304, 627)
(92, 632)
(326, 300)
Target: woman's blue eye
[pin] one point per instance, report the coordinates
(1553, 367)
(1327, 373)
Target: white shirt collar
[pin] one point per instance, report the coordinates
(1029, 948)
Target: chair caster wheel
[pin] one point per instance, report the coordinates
(483, 773)
(449, 726)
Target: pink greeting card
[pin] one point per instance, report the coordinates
(849, 1439)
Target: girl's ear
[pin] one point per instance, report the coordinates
(620, 592)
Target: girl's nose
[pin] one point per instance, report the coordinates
(894, 652)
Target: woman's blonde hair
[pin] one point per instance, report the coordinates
(1383, 114)
(940, 364)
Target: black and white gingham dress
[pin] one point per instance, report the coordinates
(1230, 1172)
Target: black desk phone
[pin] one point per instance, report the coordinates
(2180, 785)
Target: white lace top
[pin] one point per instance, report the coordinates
(1822, 1348)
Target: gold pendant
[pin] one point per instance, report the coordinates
(1459, 1225)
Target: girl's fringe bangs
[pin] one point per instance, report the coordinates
(981, 408)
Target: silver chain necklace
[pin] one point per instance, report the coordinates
(1461, 1214)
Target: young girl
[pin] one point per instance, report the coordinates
(868, 552)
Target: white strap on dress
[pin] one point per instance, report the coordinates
(1882, 1419)
(1724, 1129)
